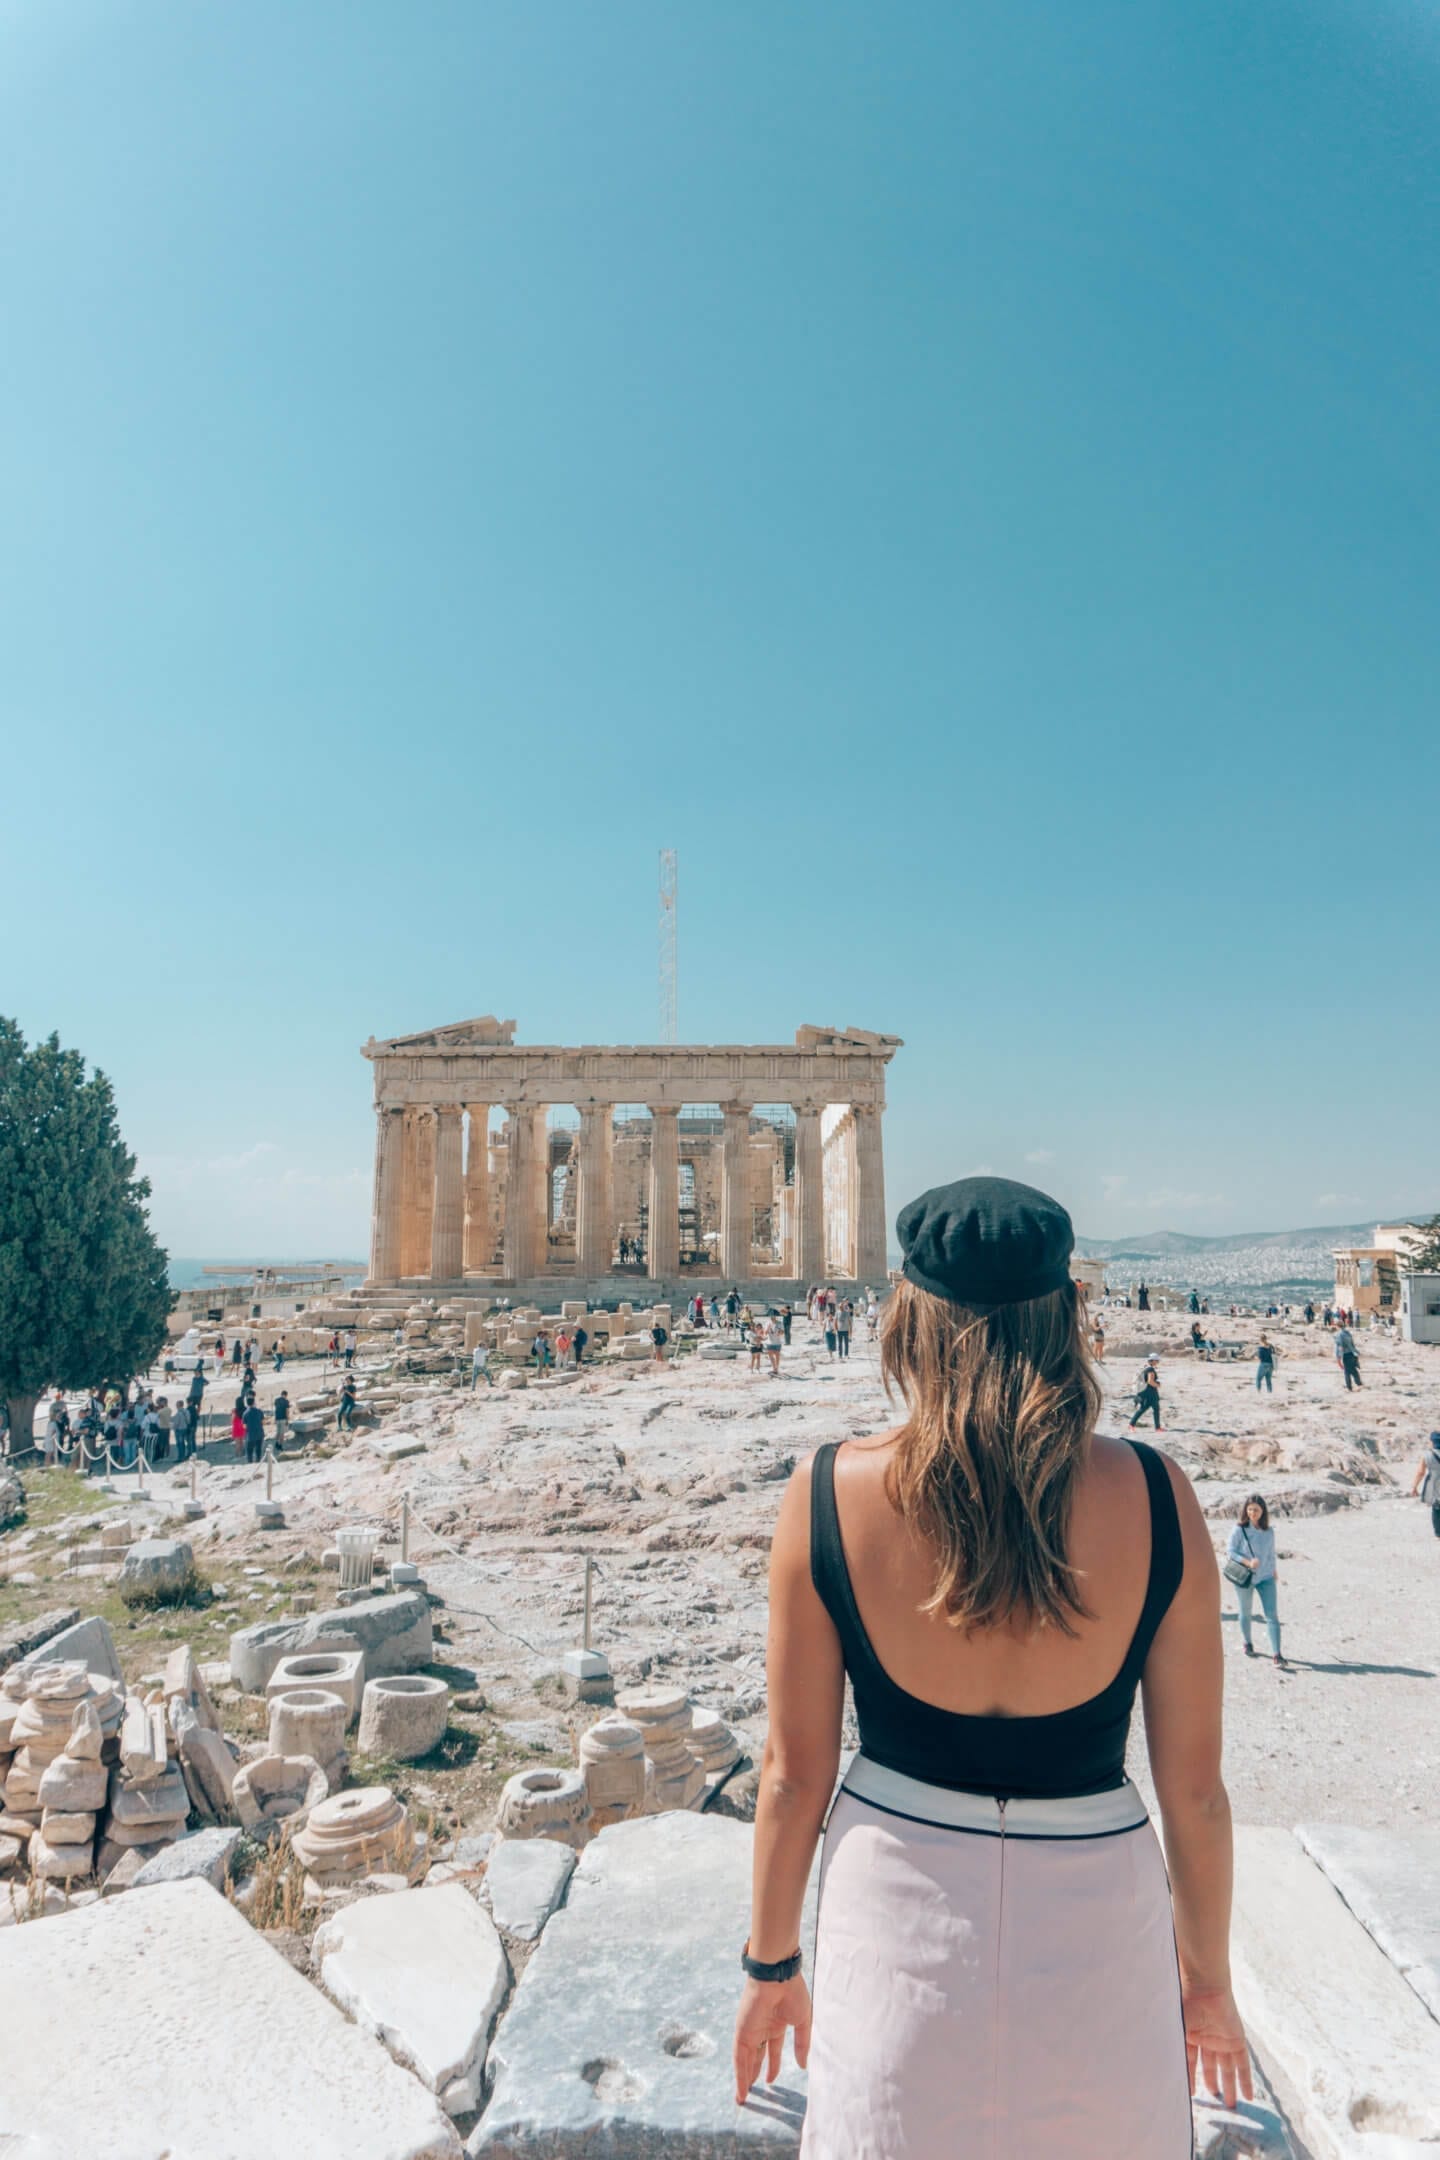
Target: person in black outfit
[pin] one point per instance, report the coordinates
(1149, 1395)
(254, 1432)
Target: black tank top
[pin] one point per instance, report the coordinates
(1059, 1755)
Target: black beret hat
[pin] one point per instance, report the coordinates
(986, 1241)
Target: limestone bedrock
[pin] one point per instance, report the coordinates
(155, 1981)
(426, 1971)
(618, 2039)
(525, 1881)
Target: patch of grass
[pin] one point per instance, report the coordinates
(53, 1496)
(193, 1591)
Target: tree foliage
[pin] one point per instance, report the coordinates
(83, 1286)
(1423, 1258)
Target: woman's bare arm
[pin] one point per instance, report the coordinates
(1183, 1688)
(806, 1683)
(806, 1678)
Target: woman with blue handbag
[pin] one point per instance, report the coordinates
(1250, 1565)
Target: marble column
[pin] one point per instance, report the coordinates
(594, 1207)
(809, 1262)
(522, 1260)
(540, 1186)
(424, 1215)
(411, 1261)
(447, 1226)
(385, 1214)
(735, 1201)
(870, 1257)
(479, 1243)
(662, 1237)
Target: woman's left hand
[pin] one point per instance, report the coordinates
(768, 2009)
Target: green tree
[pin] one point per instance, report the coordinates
(83, 1287)
(1423, 1258)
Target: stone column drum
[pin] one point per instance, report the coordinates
(663, 1233)
(403, 1715)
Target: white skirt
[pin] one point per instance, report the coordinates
(993, 1981)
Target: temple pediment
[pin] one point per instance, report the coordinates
(486, 1033)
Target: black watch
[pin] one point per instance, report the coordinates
(786, 1969)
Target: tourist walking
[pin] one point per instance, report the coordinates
(350, 1341)
(562, 1349)
(786, 1319)
(345, 1413)
(1265, 1366)
(541, 1351)
(578, 1341)
(1427, 1481)
(480, 1367)
(774, 1343)
(1147, 1398)
(237, 1353)
(1250, 1566)
(844, 1315)
(54, 1427)
(1142, 1298)
(757, 1349)
(986, 1856)
(254, 1433)
(1347, 1357)
(180, 1426)
(237, 1427)
(280, 1410)
(659, 1336)
(1097, 1339)
(279, 1353)
(828, 1319)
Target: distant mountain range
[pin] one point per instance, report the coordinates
(190, 1274)
(1245, 1265)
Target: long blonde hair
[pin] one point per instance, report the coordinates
(1001, 1404)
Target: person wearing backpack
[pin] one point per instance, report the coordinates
(1427, 1481)
(659, 1336)
(1265, 1365)
(1250, 1566)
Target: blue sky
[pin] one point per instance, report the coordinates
(967, 478)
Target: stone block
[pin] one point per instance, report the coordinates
(68, 1783)
(88, 1642)
(404, 1715)
(156, 1564)
(151, 1981)
(18, 1641)
(1390, 1880)
(163, 1799)
(586, 1676)
(204, 1856)
(617, 2041)
(207, 1764)
(425, 1971)
(394, 1632)
(59, 1863)
(337, 1672)
(270, 1514)
(395, 1446)
(1348, 2044)
(75, 1828)
(524, 1883)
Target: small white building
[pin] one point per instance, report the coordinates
(1420, 1308)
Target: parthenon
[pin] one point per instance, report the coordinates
(520, 1164)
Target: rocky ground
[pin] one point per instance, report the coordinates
(668, 1479)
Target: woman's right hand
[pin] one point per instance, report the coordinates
(768, 2010)
(1215, 2043)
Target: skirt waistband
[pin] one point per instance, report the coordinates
(1103, 1814)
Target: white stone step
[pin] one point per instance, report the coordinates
(198, 2039)
(1390, 1880)
(1351, 2050)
